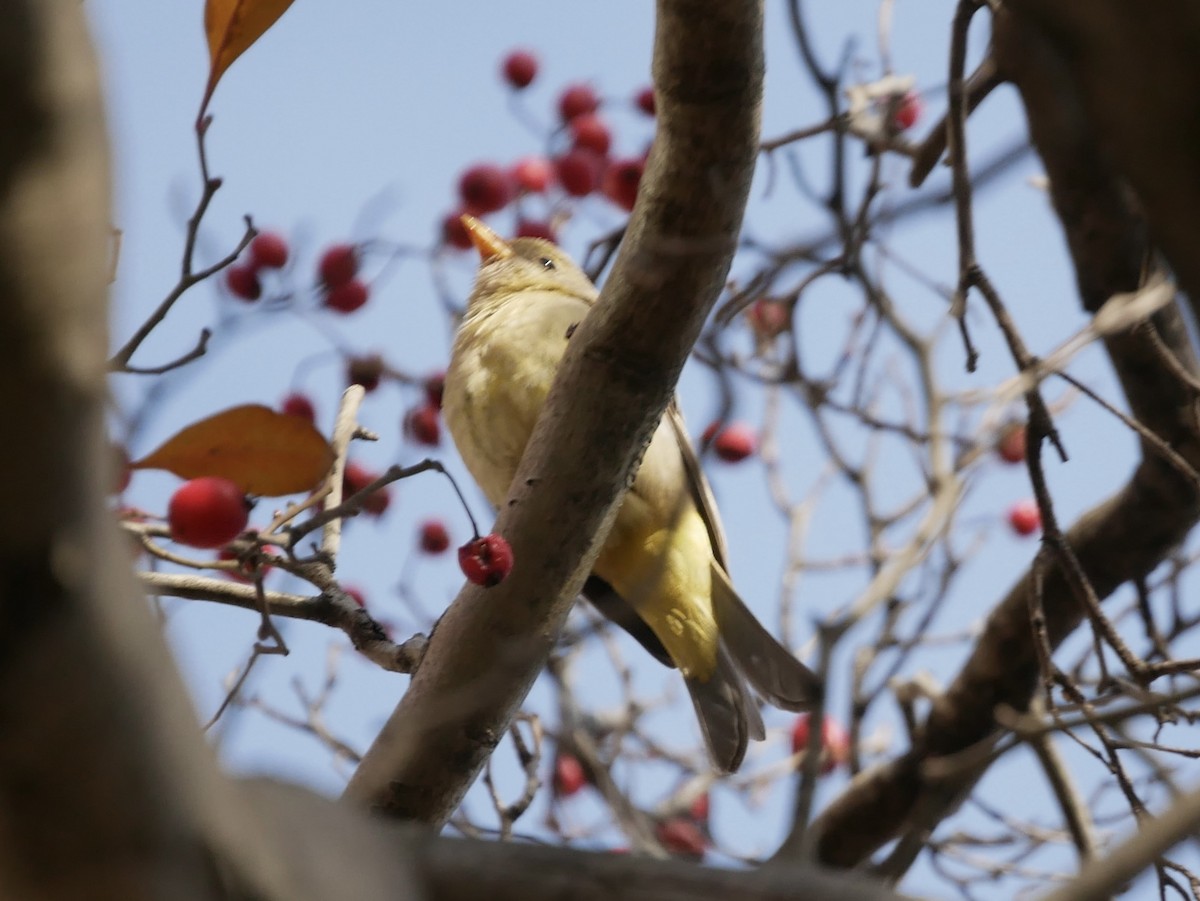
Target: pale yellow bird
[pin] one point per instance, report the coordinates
(662, 572)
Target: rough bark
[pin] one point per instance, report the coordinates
(1136, 70)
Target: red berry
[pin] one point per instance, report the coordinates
(365, 371)
(454, 233)
(485, 188)
(486, 561)
(533, 174)
(356, 595)
(579, 171)
(355, 478)
(269, 251)
(589, 131)
(434, 385)
(835, 742)
(907, 111)
(434, 537)
(1025, 517)
(377, 503)
(242, 282)
(768, 318)
(577, 100)
(299, 405)
(422, 426)
(535, 228)
(621, 182)
(338, 265)
(207, 512)
(682, 837)
(1011, 443)
(800, 730)
(569, 775)
(699, 809)
(348, 297)
(645, 100)
(520, 68)
(733, 443)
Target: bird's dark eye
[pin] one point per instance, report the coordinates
(547, 263)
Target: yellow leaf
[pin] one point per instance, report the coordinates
(232, 26)
(261, 451)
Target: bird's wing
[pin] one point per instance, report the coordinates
(772, 670)
(728, 714)
(698, 486)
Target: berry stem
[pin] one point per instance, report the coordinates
(187, 276)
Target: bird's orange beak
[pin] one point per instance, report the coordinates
(489, 244)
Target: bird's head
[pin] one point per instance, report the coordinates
(524, 264)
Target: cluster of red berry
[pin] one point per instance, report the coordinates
(343, 290)
(267, 251)
(337, 271)
(583, 166)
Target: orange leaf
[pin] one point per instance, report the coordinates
(261, 451)
(232, 26)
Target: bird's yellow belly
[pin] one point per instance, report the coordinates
(663, 572)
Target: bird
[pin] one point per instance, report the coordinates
(662, 572)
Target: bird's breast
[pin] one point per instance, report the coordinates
(500, 373)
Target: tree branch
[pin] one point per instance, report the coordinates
(1121, 539)
(1109, 874)
(366, 859)
(331, 608)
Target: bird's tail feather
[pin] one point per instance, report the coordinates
(728, 715)
(769, 666)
